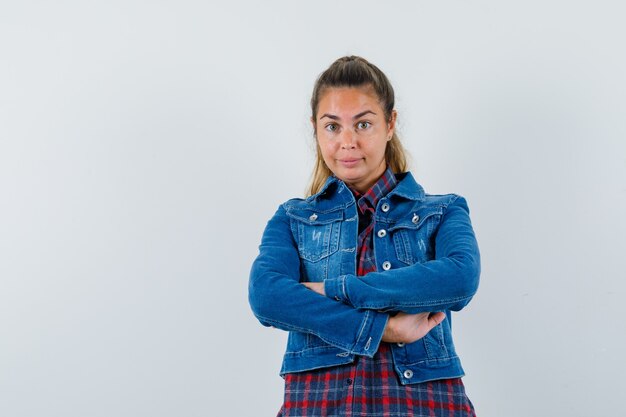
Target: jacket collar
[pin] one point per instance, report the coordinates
(407, 188)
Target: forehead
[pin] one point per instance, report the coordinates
(348, 100)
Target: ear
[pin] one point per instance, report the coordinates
(314, 126)
(391, 126)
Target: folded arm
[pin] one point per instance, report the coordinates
(278, 298)
(448, 282)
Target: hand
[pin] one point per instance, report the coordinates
(408, 328)
(318, 287)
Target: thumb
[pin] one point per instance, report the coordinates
(436, 318)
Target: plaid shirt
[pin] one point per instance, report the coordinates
(366, 204)
(369, 387)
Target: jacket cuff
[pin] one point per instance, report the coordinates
(371, 333)
(335, 288)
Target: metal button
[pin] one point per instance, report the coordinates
(415, 218)
(400, 344)
(382, 233)
(385, 207)
(313, 217)
(408, 374)
(386, 265)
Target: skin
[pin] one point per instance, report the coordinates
(352, 134)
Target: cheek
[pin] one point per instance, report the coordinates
(327, 148)
(374, 145)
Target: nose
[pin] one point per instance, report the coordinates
(348, 140)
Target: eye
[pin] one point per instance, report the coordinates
(363, 125)
(331, 127)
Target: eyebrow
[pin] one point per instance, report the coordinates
(332, 116)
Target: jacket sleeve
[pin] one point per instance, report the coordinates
(448, 282)
(278, 299)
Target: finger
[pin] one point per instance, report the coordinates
(436, 318)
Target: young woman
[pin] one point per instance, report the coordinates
(364, 273)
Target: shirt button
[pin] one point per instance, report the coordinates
(408, 374)
(349, 381)
(385, 207)
(415, 218)
(382, 233)
(386, 265)
(400, 344)
(313, 217)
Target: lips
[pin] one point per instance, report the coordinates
(349, 162)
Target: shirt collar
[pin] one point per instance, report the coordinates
(369, 199)
(406, 188)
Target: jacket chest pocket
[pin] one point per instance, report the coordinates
(413, 238)
(317, 234)
(316, 242)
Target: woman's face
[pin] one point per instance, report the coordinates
(352, 134)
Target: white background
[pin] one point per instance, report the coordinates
(144, 145)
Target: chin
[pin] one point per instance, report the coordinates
(348, 178)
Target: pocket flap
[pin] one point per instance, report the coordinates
(313, 217)
(411, 222)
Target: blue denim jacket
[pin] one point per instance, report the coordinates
(427, 260)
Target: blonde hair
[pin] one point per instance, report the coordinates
(354, 71)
